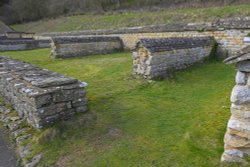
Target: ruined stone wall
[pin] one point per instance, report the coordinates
(158, 58)
(237, 137)
(39, 95)
(68, 47)
(229, 33)
(22, 44)
(228, 40)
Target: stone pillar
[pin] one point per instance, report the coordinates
(237, 137)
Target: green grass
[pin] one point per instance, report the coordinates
(178, 122)
(133, 18)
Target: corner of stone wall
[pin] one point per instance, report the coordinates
(237, 136)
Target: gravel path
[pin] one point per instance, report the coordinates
(7, 153)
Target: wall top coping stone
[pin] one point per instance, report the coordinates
(222, 24)
(83, 39)
(34, 80)
(168, 44)
(13, 41)
(242, 55)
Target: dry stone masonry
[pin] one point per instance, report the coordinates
(157, 58)
(237, 137)
(7, 44)
(68, 47)
(39, 95)
(230, 34)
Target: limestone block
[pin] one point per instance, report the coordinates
(240, 78)
(243, 66)
(240, 111)
(240, 94)
(239, 125)
(236, 141)
(233, 155)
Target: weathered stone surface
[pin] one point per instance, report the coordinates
(24, 151)
(229, 34)
(22, 44)
(154, 58)
(240, 78)
(242, 55)
(233, 155)
(239, 125)
(68, 47)
(240, 94)
(236, 141)
(22, 138)
(241, 112)
(35, 160)
(244, 66)
(237, 137)
(40, 96)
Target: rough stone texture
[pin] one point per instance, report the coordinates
(68, 47)
(229, 41)
(22, 44)
(39, 95)
(157, 58)
(237, 137)
(35, 160)
(229, 33)
(17, 35)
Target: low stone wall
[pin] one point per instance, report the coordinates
(23, 44)
(229, 33)
(68, 47)
(39, 95)
(229, 41)
(158, 58)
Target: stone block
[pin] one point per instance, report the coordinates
(240, 78)
(243, 66)
(240, 94)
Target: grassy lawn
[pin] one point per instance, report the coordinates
(133, 18)
(134, 123)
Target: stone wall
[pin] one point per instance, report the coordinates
(158, 58)
(237, 137)
(39, 95)
(228, 33)
(228, 40)
(22, 44)
(68, 47)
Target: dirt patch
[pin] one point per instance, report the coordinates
(7, 153)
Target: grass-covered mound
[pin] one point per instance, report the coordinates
(133, 18)
(133, 122)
